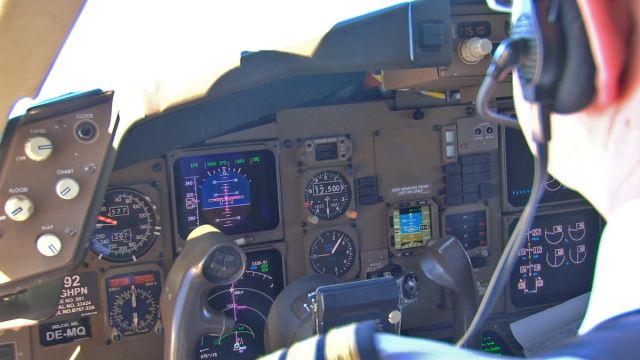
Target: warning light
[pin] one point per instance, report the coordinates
(352, 214)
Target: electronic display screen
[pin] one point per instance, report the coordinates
(558, 258)
(519, 173)
(411, 226)
(494, 343)
(7, 352)
(248, 302)
(327, 151)
(234, 192)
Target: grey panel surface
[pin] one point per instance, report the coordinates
(408, 163)
(476, 135)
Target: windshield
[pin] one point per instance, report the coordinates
(155, 54)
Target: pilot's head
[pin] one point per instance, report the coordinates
(597, 151)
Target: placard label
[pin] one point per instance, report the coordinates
(64, 332)
(78, 297)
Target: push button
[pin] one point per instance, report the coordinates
(431, 35)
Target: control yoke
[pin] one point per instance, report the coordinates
(209, 259)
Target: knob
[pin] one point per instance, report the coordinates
(19, 208)
(67, 188)
(474, 49)
(38, 148)
(49, 244)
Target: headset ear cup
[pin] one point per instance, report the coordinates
(576, 88)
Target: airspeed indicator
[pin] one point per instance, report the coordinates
(126, 226)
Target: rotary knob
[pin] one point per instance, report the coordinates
(38, 148)
(49, 244)
(19, 208)
(474, 49)
(67, 188)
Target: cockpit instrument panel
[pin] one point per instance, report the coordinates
(247, 301)
(519, 174)
(126, 226)
(237, 192)
(558, 258)
(133, 301)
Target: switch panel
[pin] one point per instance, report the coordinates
(54, 170)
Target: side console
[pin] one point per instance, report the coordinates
(55, 162)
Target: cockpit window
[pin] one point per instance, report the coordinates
(163, 51)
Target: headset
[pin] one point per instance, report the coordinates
(548, 50)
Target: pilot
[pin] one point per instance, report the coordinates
(596, 152)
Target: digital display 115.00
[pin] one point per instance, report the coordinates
(235, 192)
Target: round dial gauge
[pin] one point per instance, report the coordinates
(126, 226)
(327, 195)
(133, 303)
(134, 311)
(332, 252)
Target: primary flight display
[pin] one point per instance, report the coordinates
(236, 192)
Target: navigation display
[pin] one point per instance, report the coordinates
(411, 226)
(235, 192)
(248, 302)
(519, 173)
(558, 259)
